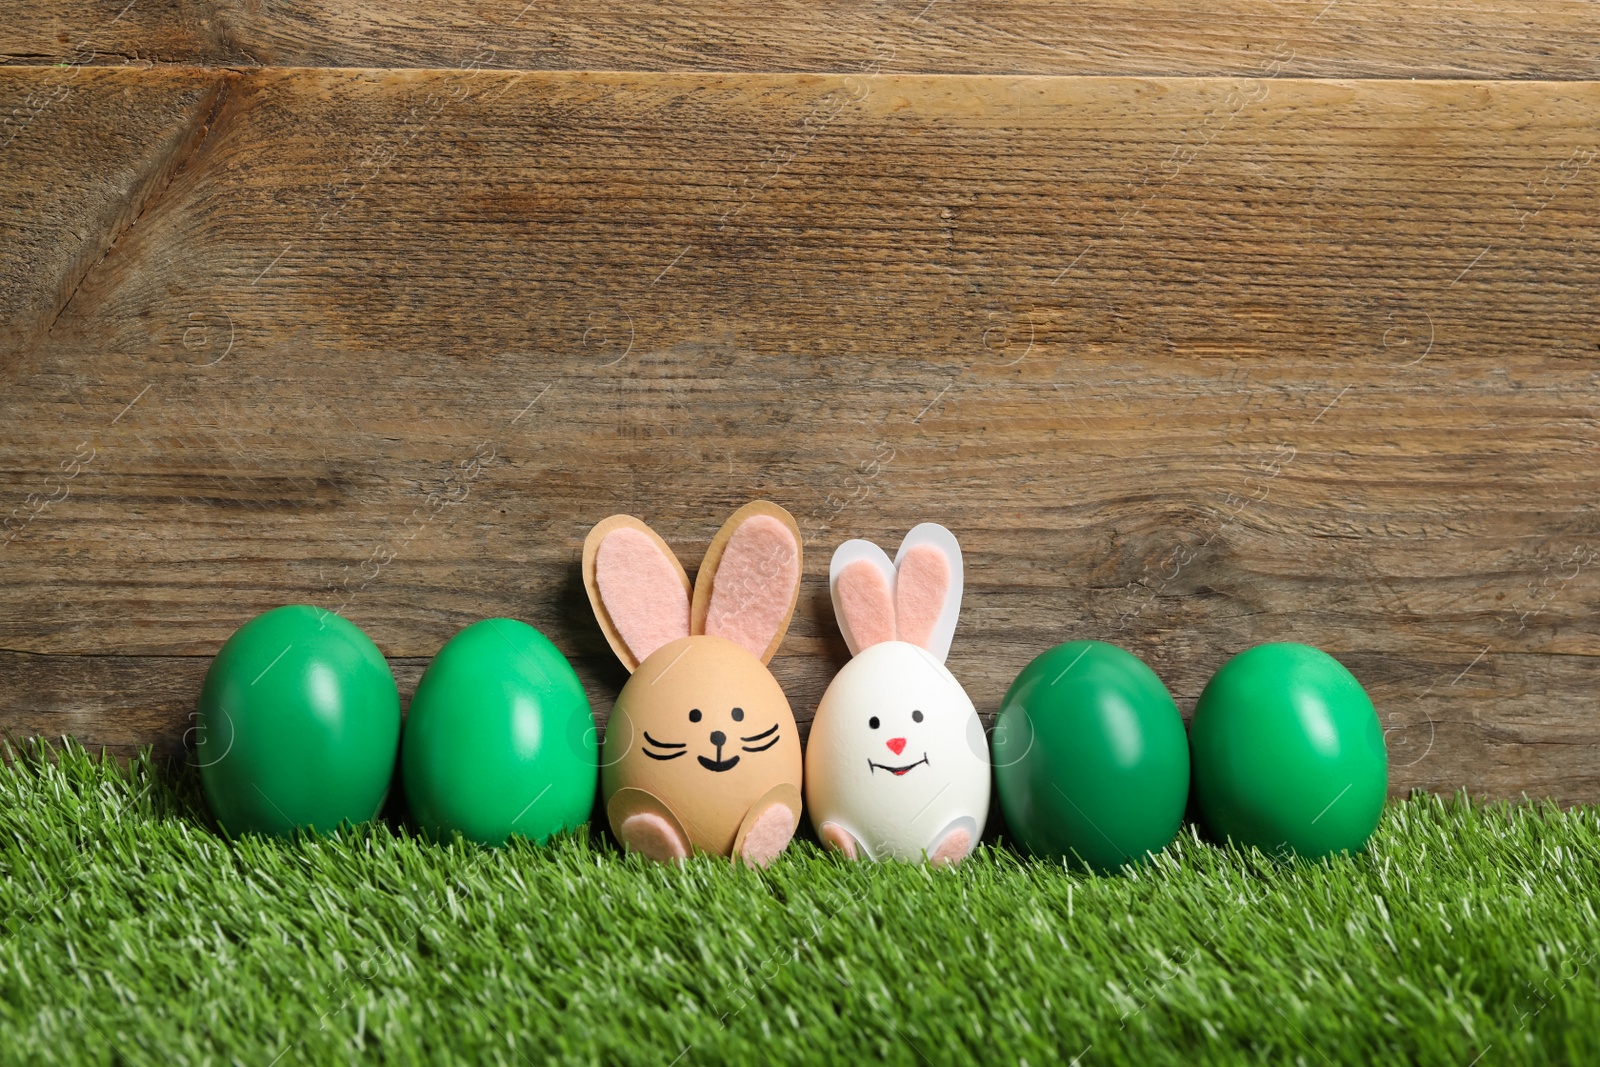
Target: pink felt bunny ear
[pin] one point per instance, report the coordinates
(749, 583)
(916, 598)
(928, 586)
(862, 581)
(637, 587)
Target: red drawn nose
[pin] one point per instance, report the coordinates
(896, 745)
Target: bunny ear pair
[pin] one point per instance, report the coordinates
(917, 598)
(746, 590)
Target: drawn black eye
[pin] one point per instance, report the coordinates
(738, 715)
(916, 716)
(694, 714)
(873, 722)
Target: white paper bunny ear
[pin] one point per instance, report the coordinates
(916, 598)
(928, 584)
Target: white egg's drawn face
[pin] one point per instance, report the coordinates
(895, 712)
(899, 732)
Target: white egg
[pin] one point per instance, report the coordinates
(897, 758)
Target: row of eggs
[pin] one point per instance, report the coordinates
(299, 726)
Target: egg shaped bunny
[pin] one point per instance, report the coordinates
(701, 752)
(897, 765)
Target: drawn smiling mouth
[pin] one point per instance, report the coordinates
(896, 771)
(756, 743)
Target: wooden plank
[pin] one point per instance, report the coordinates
(1187, 364)
(1556, 39)
(85, 154)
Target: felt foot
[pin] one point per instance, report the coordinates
(838, 839)
(768, 825)
(767, 836)
(952, 848)
(653, 836)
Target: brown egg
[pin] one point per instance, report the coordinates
(701, 752)
(703, 725)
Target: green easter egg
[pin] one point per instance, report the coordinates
(298, 724)
(1288, 753)
(1090, 757)
(500, 739)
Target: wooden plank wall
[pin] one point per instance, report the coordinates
(1201, 324)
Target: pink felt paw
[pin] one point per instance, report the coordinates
(839, 839)
(952, 848)
(653, 836)
(767, 836)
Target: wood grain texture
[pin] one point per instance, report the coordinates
(1557, 39)
(84, 157)
(1188, 364)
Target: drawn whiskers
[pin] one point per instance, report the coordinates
(749, 742)
(681, 747)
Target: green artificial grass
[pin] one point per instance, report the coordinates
(132, 933)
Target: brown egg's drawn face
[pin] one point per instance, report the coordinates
(705, 704)
(724, 733)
